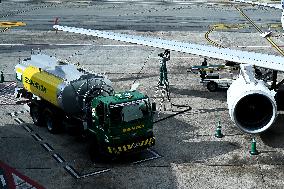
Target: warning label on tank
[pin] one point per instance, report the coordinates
(35, 84)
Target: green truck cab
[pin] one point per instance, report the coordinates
(121, 123)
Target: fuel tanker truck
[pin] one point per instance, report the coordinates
(61, 94)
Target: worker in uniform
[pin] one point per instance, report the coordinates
(204, 63)
(202, 71)
(163, 67)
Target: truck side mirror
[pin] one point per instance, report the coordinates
(154, 107)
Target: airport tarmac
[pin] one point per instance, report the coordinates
(186, 153)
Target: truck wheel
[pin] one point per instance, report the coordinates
(52, 124)
(36, 115)
(94, 150)
(212, 86)
(96, 153)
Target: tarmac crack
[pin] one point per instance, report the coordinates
(37, 168)
(11, 137)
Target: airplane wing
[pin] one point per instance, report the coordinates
(276, 6)
(262, 60)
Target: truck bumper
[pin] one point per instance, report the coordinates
(131, 147)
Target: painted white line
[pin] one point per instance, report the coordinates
(147, 159)
(47, 147)
(95, 173)
(18, 121)
(58, 158)
(37, 137)
(28, 128)
(156, 156)
(17, 180)
(2, 180)
(26, 107)
(22, 121)
(72, 171)
(155, 153)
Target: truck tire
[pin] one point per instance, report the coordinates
(94, 150)
(96, 153)
(36, 115)
(51, 121)
(212, 86)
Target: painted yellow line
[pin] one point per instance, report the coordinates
(229, 26)
(11, 24)
(5, 29)
(211, 41)
(259, 30)
(222, 26)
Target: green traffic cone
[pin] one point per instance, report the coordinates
(253, 150)
(218, 133)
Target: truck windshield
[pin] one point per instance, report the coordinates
(129, 111)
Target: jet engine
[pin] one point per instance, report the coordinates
(251, 104)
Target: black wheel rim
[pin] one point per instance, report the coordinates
(212, 87)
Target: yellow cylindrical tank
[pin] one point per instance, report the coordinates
(41, 83)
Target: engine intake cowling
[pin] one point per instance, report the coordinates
(251, 104)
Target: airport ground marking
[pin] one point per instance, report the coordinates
(19, 121)
(58, 158)
(94, 173)
(72, 171)
(3, 182)
(37, 137)
(4, 30)
(28, 129)
(155, 156)
(8, 24)
(47, 147)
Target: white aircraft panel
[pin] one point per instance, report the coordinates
(262, 60)
(277, 6)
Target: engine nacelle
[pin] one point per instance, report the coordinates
(251, 104)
